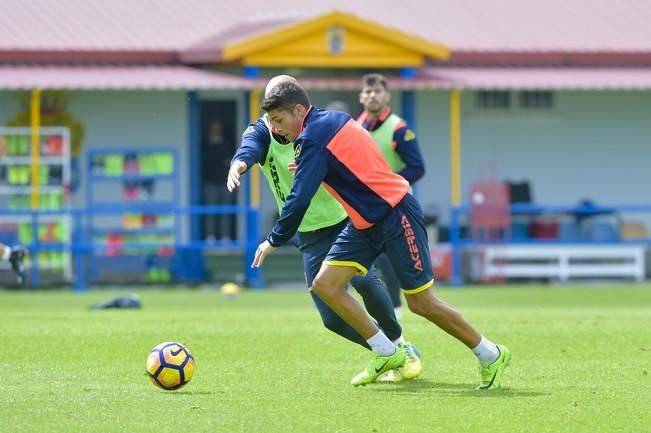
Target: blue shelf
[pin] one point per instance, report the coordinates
(131, 176)
(144, 230)
(131, 151)
(134, 206)
(112, 206)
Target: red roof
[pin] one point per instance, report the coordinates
(466, 26)
(116, 77)
(182, 77)
(567, 78)
(539, 78)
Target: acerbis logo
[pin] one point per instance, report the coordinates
(411, 241)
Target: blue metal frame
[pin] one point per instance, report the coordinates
(409, 99)
(194, 161)
(82, 245)
(251, 72)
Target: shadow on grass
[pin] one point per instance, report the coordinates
(189, 392)
(450, 389)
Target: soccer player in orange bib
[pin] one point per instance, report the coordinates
(334, 150)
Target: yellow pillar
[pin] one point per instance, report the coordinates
(254, 113)
(455, 147)
(36, 138)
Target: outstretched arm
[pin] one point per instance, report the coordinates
(253, 150)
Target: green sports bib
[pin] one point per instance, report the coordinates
(324, 210)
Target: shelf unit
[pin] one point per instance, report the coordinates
(127, 192)
(16, 189)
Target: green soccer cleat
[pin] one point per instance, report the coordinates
(378, 365)
(411, 370)
(491, 374)
(391, 376)
(413, 364)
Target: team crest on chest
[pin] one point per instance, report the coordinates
(409, 135)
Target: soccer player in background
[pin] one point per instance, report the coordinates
(400, 149)
(333, 149)
(322, 223)
(16, 255)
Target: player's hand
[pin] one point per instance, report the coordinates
(292, 166)
(233, 181)
(264, 249)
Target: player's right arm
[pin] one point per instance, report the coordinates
(253, 150)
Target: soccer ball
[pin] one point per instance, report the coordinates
(170, 365)
(230, 290)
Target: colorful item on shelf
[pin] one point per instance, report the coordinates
(23, 146)
(132, 221)
(131, 164)
(114, 244)
(148, 220)
(164, 163)
(113, 165)
(131, 190)
(12, 145)
(54, 145)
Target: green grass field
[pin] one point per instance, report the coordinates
(581, 363)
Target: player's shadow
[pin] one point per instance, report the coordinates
(419, 386)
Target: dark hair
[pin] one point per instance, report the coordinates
(285, 96)
(370, 80)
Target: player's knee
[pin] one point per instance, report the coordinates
(422, 304)
(329, 283)
(323, 287)
(415, 306)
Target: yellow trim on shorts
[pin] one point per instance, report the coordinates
(422, 288)
(361, 270)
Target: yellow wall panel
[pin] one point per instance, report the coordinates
(334, 39)
(356, 49)
(334, 61)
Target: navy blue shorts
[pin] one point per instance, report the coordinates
(400, 235)
(314, 247)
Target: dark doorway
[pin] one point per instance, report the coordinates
(218, 126)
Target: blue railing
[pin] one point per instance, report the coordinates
(81, 232)
(514, 236)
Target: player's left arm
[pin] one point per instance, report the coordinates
(311, 169)
(409, 151)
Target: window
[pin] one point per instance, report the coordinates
(493, 100)
(536, 100)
